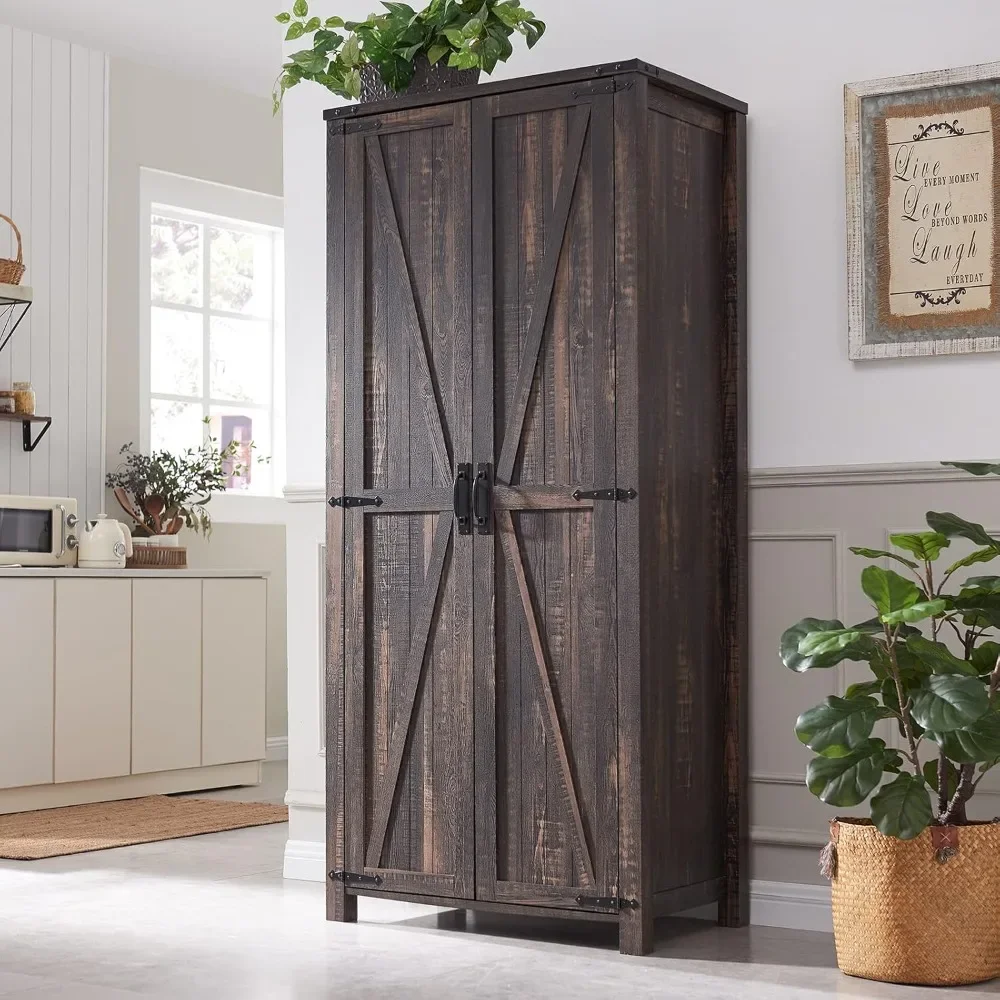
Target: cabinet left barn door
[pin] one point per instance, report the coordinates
(400, 306)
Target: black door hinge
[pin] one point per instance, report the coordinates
(619, 496)
(353, 878)
(611, 904)
(612, 85)
(347, 502)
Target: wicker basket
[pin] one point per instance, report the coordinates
(12, 271)
(922, 911)
(157, 557)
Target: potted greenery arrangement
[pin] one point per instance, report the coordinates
(915, 887)
(399, 51)
(163, 493)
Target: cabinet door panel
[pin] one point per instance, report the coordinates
(166, 675)
(234, 663)
(407, 769)
(546, 654)
(26, 682)
(93, 679)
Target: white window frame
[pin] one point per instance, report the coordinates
(191, 199)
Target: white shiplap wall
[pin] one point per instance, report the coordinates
(53, 141)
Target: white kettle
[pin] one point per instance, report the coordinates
(104, 544)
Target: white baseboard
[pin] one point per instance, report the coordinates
(772, 904)
(305, 860)
(277, 748)
(791, 904)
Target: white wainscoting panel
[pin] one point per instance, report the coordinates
(53, 159)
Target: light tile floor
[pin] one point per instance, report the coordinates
(211, 917)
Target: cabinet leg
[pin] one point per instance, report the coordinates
(635, 931)
(452, 920)
(339, 905)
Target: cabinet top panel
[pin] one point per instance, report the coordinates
(670, 81)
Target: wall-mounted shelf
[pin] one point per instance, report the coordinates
(15, 301)
(26, 421)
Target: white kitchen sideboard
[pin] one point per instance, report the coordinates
(120, 683)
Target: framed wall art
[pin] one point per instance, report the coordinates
(923, 193)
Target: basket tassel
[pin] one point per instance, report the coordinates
(828, 856)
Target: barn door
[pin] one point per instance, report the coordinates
(408, 743)
(546, 675)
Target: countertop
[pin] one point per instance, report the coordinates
(75, 573)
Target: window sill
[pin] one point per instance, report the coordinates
(246, 508)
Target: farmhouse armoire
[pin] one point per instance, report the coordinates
(537, 538)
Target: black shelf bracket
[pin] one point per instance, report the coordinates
(29, 443)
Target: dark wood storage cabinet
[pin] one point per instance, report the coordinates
(536, 679)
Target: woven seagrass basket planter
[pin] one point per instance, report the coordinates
(924, 911)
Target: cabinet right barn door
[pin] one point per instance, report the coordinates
(544, 425)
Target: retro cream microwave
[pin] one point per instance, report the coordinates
(37, 531)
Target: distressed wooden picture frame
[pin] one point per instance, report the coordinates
(885, 321)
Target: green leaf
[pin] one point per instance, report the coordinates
(902, 808)
(986, 584)
(326, 41)
(973, 744)
(862, 689)
(985, 657)
(938, 657)
(333, 22)
(859, 649)
(848, 780)
(836, 727)
(888, 590)
(300, 8)
(465, 59)
(952, 525)
(917, 613)
(473, 28)
(979, 556)
(352, 83)
(455, 36)
(283, 18)
(350, 54)
(930, 772)
(510, 14)
(436, 53)
(976, 468)
(925, 545)
(859, 550)
(945, 702)
(818, 643)
(312, 24)
(295, 30)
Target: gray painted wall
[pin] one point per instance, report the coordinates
(803, 522)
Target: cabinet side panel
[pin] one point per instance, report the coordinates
(681, 454)
(26, 628)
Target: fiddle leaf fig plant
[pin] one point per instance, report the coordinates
(467, 34)
(934, 655)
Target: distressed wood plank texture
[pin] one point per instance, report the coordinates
(551, 279)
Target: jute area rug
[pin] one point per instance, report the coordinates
(51, 833)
